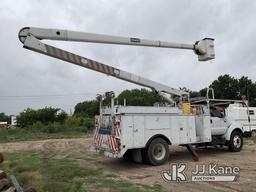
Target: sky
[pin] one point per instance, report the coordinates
(29, 79)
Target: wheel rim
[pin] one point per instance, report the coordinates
(237, 141)
(159, 151)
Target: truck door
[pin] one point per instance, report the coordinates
(252, 120)
(219, 123)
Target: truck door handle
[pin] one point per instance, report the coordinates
(211, 120)
(135, 130)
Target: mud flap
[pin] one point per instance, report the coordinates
(136, 155)
(192, 152)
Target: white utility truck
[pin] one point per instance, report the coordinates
(145, 132)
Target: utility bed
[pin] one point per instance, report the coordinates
(131, 127)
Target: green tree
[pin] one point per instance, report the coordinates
(61, 116)
(87, 108)
(139, 97)
(5, 118)
(226, 87)
(202, 92)
(247, 88)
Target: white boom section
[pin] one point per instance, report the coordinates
(66, 35)
(203, 48)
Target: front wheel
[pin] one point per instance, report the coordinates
(157, 153)
(235, 142)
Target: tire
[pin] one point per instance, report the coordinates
(157, 152)
(235, 142)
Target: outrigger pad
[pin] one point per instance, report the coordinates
(192, 152)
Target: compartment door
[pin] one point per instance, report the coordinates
(138, 131)
(183, 129)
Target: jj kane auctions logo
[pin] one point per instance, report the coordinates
(201, 172)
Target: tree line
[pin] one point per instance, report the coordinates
(51, 119)
(228, 87)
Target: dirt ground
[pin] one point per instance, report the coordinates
(146, 174)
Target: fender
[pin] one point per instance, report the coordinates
(164, 137)
(233, 126)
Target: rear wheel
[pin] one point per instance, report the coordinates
(157, 152)
(235, 142)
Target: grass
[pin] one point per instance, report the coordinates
(251, 141)
(46, 174)
(28, 135)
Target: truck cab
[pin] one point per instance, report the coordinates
(231, 120)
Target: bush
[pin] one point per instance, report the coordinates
(83, 124)
(88, 123)
(73, 121)
(37, 126)
(54, 127)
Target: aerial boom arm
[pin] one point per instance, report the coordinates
(30, 37)
(66, 35)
